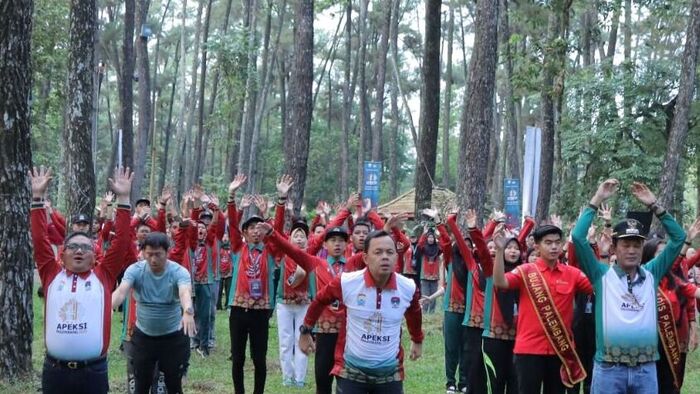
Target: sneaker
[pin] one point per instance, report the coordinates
(451, 389)
(287, 382)
(300, 384)
(463, 390)
(202, 351)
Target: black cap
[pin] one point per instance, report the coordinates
(300, 224)
(629, 228)
(251, 220)
(81, 218)
(206, 214)
(143, 201)
(333, 231)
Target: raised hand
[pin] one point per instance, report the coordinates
(121, 184)
(591, 234)
(165, 196)
(353, 201)
(261, 203)
(237, 182)
(498, 216)
(499, 237)
(604, 243)
(40, 178)
(283, 185)
(432, 213)
(642, 193)
(325, 208)
(605, 191)
(246, 201)
(214, 199)
(470, 217)
(694, 230)
(396, 221)
(264, 228)
(605, 213)
(366, 205)
(109, 197)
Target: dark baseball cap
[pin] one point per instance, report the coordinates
(333, 231)
(629, 228)
(143, 201)
(81, 218)
(206, 214)
(251, 220)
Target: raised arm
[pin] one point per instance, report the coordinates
(306, 261)
(528, 225)
(233, 219)
(462, 246)
(43, 253)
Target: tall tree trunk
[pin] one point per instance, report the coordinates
(191, 102)
(180, 130)
(251, 89)
(16, 261)
(395, 120)
(300, 99)
(447, 114)
(126, 93)
(553, 63)
(477, 114)
(347, 106)
(364, 129)
(200, 154)
(381, 74)
(168, 128)
(430, 107)
(612, 44)
(679, 127)
(77, 136)
(144, 76)
(511, 132)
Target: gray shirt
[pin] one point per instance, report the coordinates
(157, 296)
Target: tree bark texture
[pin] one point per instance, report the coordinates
(126, 92)
(430, 107)
(145, 105)
(381, 74)
(679, 127)
(511, 131)
(16, 261)
(347, 106)
(251, 88)
(200, 154)
(477, 114)
(300, 99)
(395, 119)
(77, 135)
(448, 100)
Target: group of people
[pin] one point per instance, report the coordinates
(524, 311)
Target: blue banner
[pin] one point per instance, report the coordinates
(372, 176)
(511, 203)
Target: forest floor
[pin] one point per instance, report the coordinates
(213, 375)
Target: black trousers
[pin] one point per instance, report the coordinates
(253, 324)
(171, 352)
(58, 379)
(584, 337)
(474, 360)
(323, 364)
(502, 378)
(346, 386)
(663, 373)
(536, 372)
(224, 288)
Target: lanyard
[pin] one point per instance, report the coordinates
(254, 269)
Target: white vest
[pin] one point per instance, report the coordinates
(374, 330)
(75, 308)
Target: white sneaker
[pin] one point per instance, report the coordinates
(451, 390)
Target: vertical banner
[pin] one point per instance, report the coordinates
(531, 172)
(370, 191)
(511, 203)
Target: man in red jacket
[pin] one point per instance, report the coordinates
(78, 294)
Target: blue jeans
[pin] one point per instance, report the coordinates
(202, 313)
(57, 379)
(610, 378)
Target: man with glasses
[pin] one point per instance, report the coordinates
(626, 295)
(78, 293)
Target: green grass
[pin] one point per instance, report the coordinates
(213, 375)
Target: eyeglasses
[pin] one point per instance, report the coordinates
(76, 246)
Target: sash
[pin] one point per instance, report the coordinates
(572, 370)
(669, 335)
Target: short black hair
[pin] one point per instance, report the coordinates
(157, 240)
(76, 234)
(374, 235)
(544, 230)
(362, 222)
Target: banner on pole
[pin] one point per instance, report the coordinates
(531, 172)
(372, 176)
(511, 203)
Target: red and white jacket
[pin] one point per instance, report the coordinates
(370, 339)
(77, 306)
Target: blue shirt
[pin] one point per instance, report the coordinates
(157, 296)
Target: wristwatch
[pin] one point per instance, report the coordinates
(189, 311)
(303, 330)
